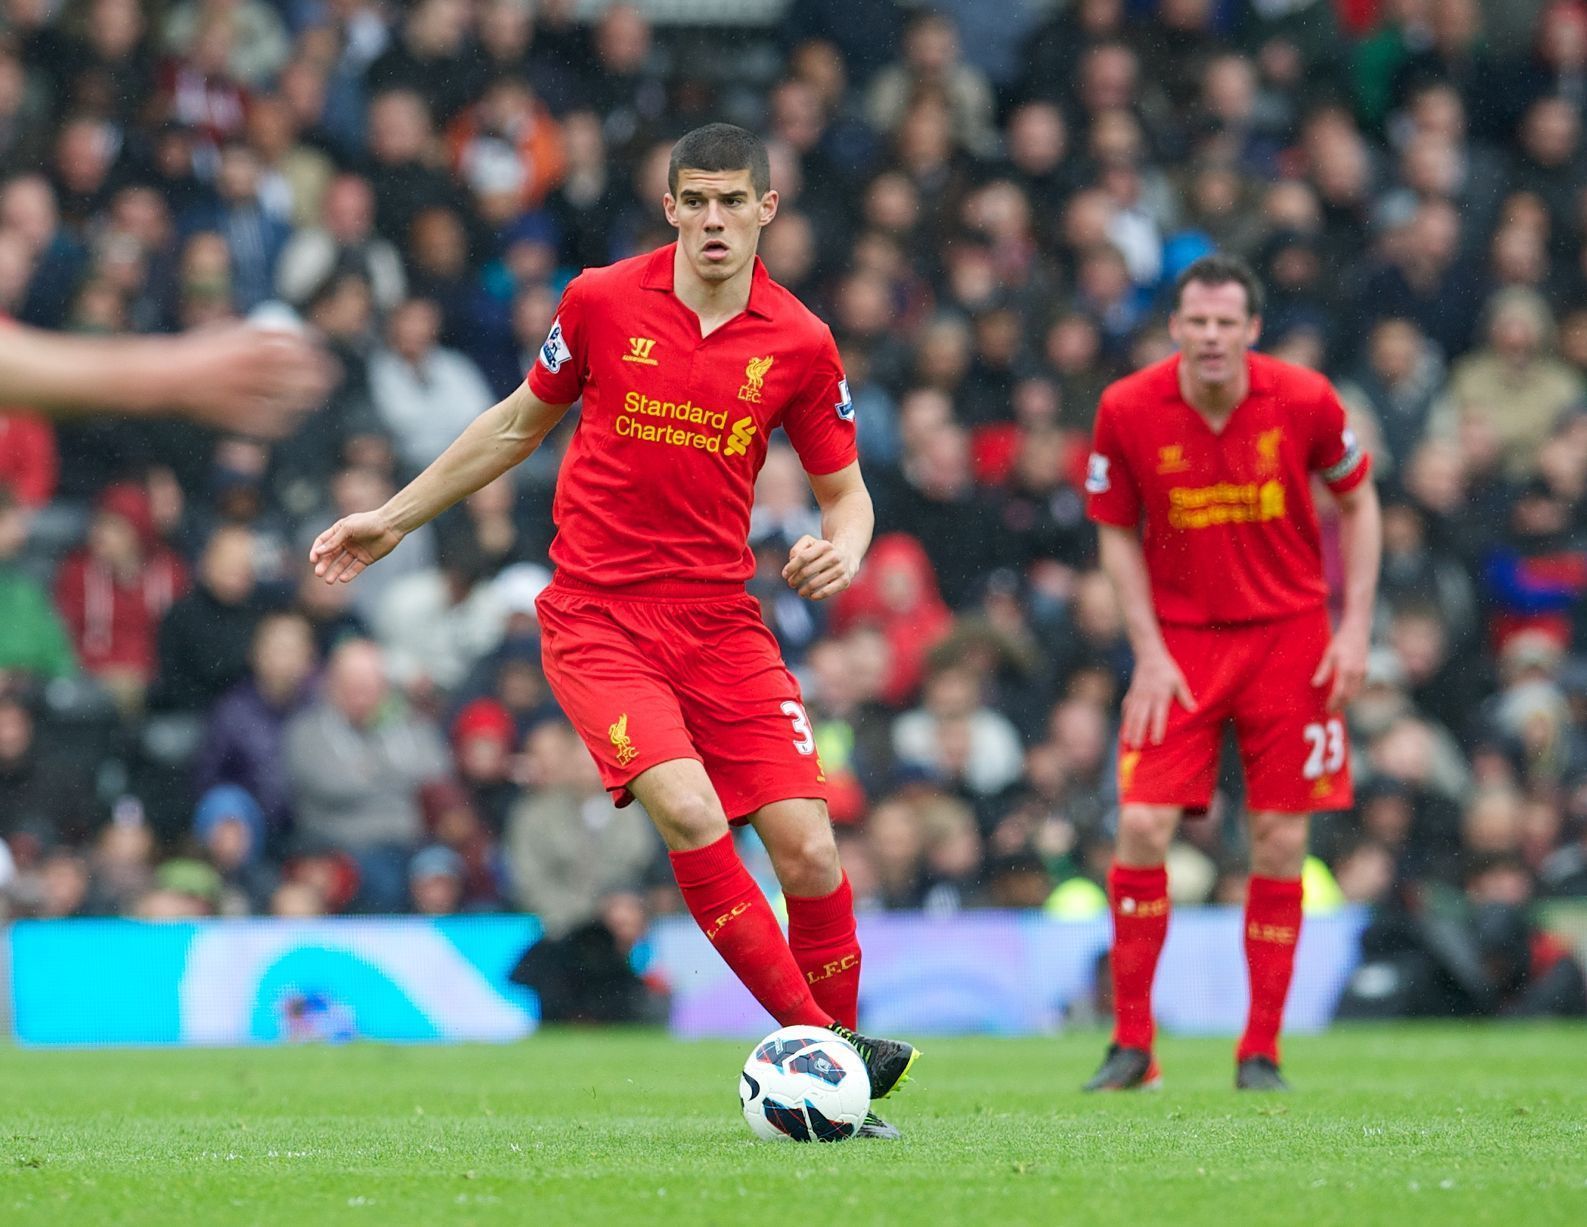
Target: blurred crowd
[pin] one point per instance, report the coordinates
(191, 724)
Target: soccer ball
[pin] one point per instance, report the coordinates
(804, 1084)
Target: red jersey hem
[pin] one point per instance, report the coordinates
(1260, 620)
(652, 589)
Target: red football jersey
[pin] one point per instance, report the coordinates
(659, 476)
(1227, 519)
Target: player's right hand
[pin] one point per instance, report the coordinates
(251, 380)
(1155, 687)
(351, 544)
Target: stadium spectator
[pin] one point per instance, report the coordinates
(484, 740)
(293, 175)
(897, 594)
(205, 637)
(401, 171)
(1514, 384)
(508, 150)
(121, 862)
(567, 845)
(424, 393)
(229, 828)
(34, 642)
(357, 757)
(452, 821)
(435, 881)
(436, 625)
(258, 38)
(24, 124)
(511, 40)
(254, 237)
(431, 54)
(895, 840)
(1398, 384)
(198, 90)
(954, 737)
(44, 801)
(244, 732)
(343, 240)
(370, 478)
(938, 502)
(115, 590)
(931, 63)
(30, 210)
(625, 81)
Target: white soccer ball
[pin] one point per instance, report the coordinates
(804, 1084)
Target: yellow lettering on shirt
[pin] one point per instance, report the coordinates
(682, 423)
(1192, 507)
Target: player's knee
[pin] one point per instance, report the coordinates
(807, 863)
(1145, 832)
(1278, 845)
(689, 819)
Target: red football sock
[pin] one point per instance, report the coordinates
(1272, 926)
(821, 936)
(730, 909)
(1140, 924)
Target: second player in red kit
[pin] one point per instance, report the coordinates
(1234, 554)
(685, 360)
(1200, 482)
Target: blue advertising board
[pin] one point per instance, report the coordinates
(239, 982)
(264, 981)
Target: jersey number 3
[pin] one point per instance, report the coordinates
(1327, 749)
(804, 739)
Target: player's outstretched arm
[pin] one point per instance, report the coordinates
(1361, 546)
(502, 436)
(236, 377)
(818, 569)
(1157, 682)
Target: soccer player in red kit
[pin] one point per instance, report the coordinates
(686, 359)
(1200, 485)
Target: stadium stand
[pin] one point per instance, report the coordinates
(986, 203)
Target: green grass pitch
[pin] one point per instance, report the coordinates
(1400, 1126)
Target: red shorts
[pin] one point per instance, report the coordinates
(1296, 753)
(647, 677)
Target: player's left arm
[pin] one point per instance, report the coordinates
(1346, 469)
(822, 567)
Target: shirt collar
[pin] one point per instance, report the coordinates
(1261, 375)
(658, 275)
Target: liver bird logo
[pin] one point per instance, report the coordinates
(754, 377)
(619, 735)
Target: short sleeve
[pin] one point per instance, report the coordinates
(557, 376)
(1112, 496)
(1335, 453)
(820, 419)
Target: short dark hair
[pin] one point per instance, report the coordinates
(1221, 269)
(721, 147)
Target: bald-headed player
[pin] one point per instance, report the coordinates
(686, 359)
